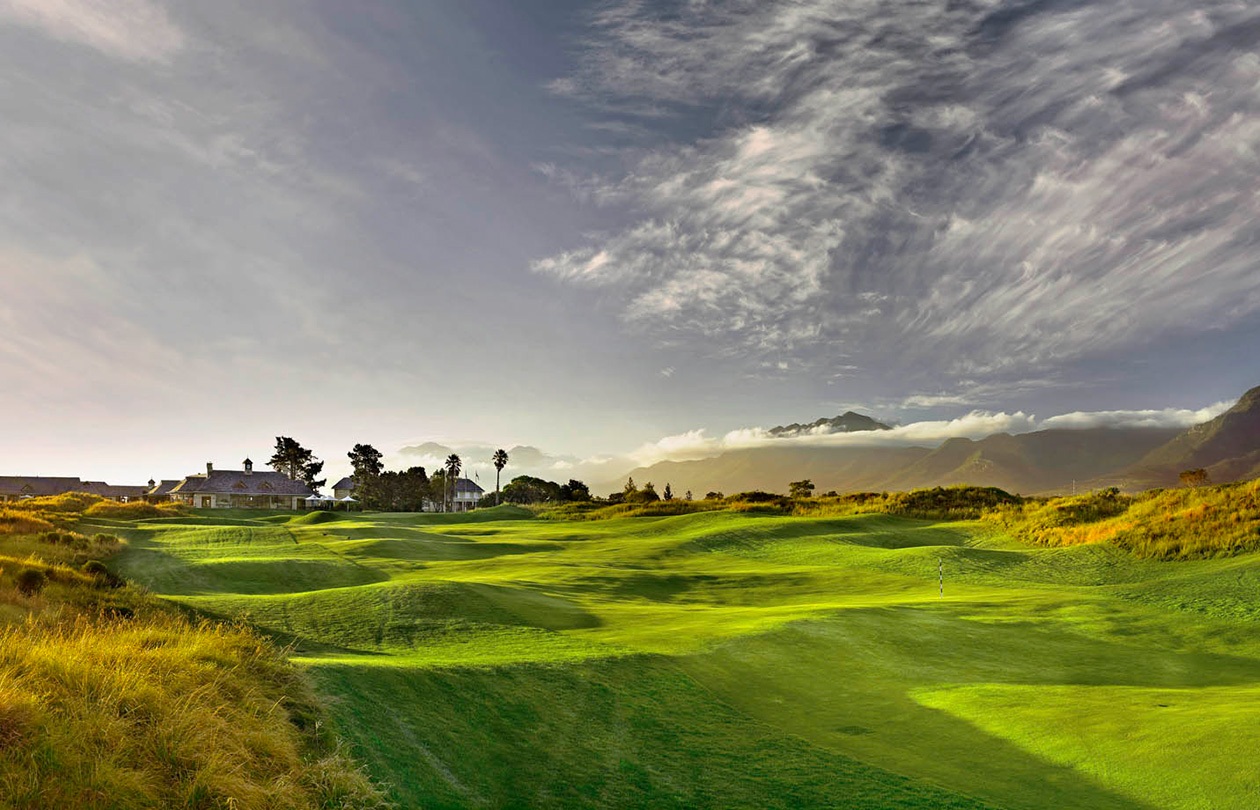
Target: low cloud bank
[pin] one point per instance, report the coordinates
(1166, 418)
(695, 444)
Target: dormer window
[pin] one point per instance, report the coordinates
(264, 486)
(239, 485)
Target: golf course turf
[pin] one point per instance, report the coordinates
(728, 659)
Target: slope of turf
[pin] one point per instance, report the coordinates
(743, 660)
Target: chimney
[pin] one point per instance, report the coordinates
(249, 467)
(209, 469)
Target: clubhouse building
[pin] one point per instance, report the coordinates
(236, 489)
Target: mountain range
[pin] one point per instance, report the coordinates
(1041, 462)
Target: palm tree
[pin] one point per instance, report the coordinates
(452, 467)
(500, 459)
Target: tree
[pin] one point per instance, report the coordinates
(366, 461)
(687, 496)
(390, 491)
(713, 496)
(528, 489)
(500, 459)
(575, 490)
(297, 462)
(801, 489)
(437, 490)
(452, 467)
(647, 494)
(1195, 478)
(668, 494)
(367, 471)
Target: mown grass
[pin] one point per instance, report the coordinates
(109, 698)
(746, 659)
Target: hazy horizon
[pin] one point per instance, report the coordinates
(613, 230)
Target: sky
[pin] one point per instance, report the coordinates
(605, 232)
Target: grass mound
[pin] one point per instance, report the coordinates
(136, 510)
(1161, 524)
(316, 518)
(15, 522)
(161, 713)
(111, 699)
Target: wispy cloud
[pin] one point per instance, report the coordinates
(981, 188)
(133, 30)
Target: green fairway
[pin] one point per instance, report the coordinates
(731, 659)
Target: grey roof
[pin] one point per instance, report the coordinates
(165, 487)
(115, 490)
(345, 483)
(237, 482)
(35, 485)
(466, 485)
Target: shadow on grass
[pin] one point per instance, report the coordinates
(845, 683)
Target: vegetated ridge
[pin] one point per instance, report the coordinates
(1227, 447)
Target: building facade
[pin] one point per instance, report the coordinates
(240, 489)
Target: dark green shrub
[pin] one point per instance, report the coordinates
(757, 496)
(31, 581)
(103, 576)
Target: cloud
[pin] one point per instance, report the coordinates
(979, 188)
(132, 30)
(697, 444)
(1166, 418)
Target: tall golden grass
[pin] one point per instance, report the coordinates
(136, 510)
(109, 699)
(159, 712)
(1169, 524)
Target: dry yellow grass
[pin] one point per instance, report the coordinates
(1192, 522)
(109, 699)
(136, 510)
(158, 712)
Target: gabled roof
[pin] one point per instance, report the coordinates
(345, 483)
(165, 487)
(466, 485)
(37, 486)
(114, 490)
(238, 482)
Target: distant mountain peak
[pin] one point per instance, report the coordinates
(847, 422)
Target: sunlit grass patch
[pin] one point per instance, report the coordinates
(157, 712)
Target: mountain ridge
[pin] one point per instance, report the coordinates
(1047, 461)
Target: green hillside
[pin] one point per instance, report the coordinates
(744, 660)
(1039, 462)
(1228, 447)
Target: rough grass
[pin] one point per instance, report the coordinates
(136, 510)
(158, 712)
(1170, 524)
(750, 659)
(110, 699)
(18, 522)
